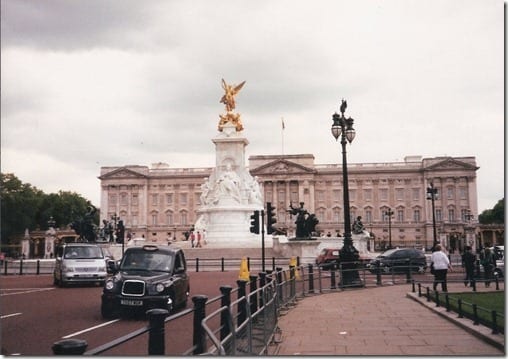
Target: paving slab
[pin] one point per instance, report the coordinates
(386, 320)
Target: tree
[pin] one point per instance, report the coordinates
(494, 215)
(24, 206)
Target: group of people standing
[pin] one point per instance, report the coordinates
(440, 264)
(197, 239)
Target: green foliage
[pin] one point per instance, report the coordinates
(494, 215)
(24, 206)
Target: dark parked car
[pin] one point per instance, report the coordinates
(329, 257)
(147, 277)
(399, 260)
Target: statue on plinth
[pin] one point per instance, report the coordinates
(305, 222)
(358, 226)
(228, 99)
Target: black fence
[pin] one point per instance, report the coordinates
(452, 302)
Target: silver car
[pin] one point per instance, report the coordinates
(79, 263)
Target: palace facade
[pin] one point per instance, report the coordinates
(160, 203)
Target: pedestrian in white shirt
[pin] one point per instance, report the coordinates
(441, 264)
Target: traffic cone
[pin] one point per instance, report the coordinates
(244, 270)
(292, 263)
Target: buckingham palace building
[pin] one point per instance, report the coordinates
(160, 203)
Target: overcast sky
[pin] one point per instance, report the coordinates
(91, 83)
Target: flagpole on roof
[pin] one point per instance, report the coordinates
(282, 134)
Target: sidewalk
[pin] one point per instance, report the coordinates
(386, 320)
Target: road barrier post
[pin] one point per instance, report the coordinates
(69, 347)
(156, 340)
(199, 335)
(311, 278)
(224, 315)
(242, 304)
(254, 294)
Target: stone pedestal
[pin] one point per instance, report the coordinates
(230, 195)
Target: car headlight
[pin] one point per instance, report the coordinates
(109, 285)
(67, 269)
(159, 287)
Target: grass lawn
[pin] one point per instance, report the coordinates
(486, 302)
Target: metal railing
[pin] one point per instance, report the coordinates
(452, 302)
(243, 320)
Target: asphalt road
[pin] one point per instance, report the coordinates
(35, 314)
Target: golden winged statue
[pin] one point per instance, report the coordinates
(229, 97)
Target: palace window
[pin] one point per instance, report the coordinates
(183, 199)
(400, 215)
(416, 216)
(367, 194)
(169, 199)
(135, 199)
(155, 199)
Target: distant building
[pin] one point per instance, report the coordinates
(160, 202)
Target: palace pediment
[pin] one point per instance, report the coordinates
(450, 164)
(122, 172)
(281, 167)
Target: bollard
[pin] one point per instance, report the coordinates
(497, 282)
(447, 302)
(248, 263)
(341, 274)
(224, 315)
(437, 298)
(5, 266)
(156, 339)
(475, 315)
(279, 284)
(273, 264)
(474, 285)
(495, 329)
(254, 294)
(242, 304)
(419, 289)
(428, 294)
(292, 282)
(38, 269)
(408, 272)
(69, 347)
(311, 278)
(378, 273)
(413, 286)
(459, 308)
(298, 261)
(21, 266)
(333, 284)
(199, 335)
(262, 283)
(197, 265)
(222, 264)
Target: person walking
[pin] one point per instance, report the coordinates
(441, 265)
(488, 263)
(198, 245)
(192, 239)
(468, 262)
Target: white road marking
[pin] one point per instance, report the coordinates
(10, 315)
(90, 329)
(24, 290)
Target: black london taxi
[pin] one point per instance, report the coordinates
(147, 277)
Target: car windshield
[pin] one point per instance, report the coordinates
(388, 253)
(84, 252)
(147, 261)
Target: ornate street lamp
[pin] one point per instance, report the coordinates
(389, 214)
(343, 127)
(432, 196)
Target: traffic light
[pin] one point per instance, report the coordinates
(254, 222)
(120, 232)
(271, 218)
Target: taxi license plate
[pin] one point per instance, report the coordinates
(131, 302)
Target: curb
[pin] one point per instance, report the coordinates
(480, 331)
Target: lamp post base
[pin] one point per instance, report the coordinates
(348, 257)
